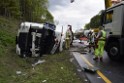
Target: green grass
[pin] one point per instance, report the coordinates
(56, 69)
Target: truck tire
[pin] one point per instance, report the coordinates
(114, 51)
(22, 55)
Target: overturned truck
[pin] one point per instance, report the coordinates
(34, 39)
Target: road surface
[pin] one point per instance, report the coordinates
(108, 71)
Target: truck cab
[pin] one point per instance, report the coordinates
(113, 21)
(35, 39)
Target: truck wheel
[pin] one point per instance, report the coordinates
(22, 55)
(114, 51)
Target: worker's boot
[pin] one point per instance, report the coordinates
(95, 58)
(89, 50)
(101, 59)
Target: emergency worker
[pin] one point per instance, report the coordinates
(67, 40)
(90, 40)
(93, 40)
(99, 49)
(71, 34)
(69, 37)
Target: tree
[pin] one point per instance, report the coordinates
(95, 21)
(87, 26)
(35, 10)
(27, 10)
(10, 8)
(47, 17)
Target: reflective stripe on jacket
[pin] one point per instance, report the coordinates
(103, 37)
(67, 35)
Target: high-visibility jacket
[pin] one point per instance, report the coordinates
(103, 37)
(100, 44)
(67, 35)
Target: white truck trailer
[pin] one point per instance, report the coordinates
(35, 39)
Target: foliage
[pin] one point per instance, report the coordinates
(26, 10)
(8, 30)
(56, 69)
(9, 8)
(94, 22)
(47, 17)
(87, 26)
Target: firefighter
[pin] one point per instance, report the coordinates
(71, 34)
(69, 37)
(99, 50)
(67, 40)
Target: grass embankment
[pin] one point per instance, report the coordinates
(56, 69)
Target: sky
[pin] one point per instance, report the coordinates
(76, 14)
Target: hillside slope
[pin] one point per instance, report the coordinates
(56, 69)
(9, 61)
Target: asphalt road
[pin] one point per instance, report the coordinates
(108, 71)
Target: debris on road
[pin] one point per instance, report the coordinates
(71, 59)
(99, 77)
(38, 62)
(90, 69)
(86, 80)
(18, 72)
(108, 72)
(79, 70)
(44, 81)
(81, 42)
(61, 67)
